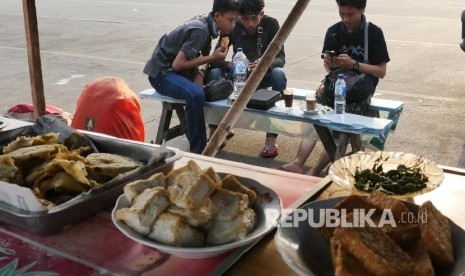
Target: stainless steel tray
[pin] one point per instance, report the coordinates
(95, 200)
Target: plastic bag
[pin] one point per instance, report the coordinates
(108, 105)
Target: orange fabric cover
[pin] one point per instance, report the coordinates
(108, 105)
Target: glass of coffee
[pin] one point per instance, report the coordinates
(288, 97)
(310, 100)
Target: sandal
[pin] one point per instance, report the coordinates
(270, 151)
(230, 135)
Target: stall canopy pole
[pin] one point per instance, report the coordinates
(252, 83)
(33, 53)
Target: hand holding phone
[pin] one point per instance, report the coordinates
(331, 53)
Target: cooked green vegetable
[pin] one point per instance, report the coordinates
(400, 181)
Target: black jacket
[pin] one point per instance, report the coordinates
(248, 43)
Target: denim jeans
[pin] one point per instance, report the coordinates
(178, 87)
(276, 78)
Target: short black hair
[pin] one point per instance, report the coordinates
(251, 7)
(359, 4)
(225, 5)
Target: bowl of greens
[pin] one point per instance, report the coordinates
(395, 173)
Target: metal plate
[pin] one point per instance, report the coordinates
(87, 204)
(305, 250)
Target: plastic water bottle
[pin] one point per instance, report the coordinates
(240, 66)
(340, 95)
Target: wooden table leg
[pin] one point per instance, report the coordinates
(356, 142)
(335, 151)
(164, 130)
(342, 145)
(181, 112)
(328, 141)
(164, 123)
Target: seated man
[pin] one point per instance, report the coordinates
(253, 33)
(346, 39)
(173, 68)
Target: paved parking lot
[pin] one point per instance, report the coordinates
(82, 40)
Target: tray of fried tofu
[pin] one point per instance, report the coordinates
(48, 183)
(372, 235)
(196, 213)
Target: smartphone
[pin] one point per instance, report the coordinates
(331, 53)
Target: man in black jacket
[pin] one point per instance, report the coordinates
(253, 33)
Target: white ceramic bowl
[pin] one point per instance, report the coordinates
(267, 200)
(343, 170)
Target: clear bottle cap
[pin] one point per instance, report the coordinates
(341, 75)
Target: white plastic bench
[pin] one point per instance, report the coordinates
(275, 120)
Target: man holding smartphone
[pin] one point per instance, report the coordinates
(344, 47)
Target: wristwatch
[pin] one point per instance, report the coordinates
(356, 66)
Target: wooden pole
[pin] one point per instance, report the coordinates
(33, 54)
(255, 78)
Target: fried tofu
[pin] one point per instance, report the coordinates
(172, 230)
(231, 183)
(229, 204)
(42, 152)
(58, 183)
(131, 190)
(436, 234)
(102, 167)
(195, 217)
(224, 231)
(191, 168)
(146, 208)
(191, 191)
(213, 175)
(24, 142)
(8, 171)
(224, 42)
(194, 206)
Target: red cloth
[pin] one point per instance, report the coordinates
(108, 105)
(29, 108)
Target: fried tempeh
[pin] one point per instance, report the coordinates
(436, 234)
(378, 253)
(344, 263)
